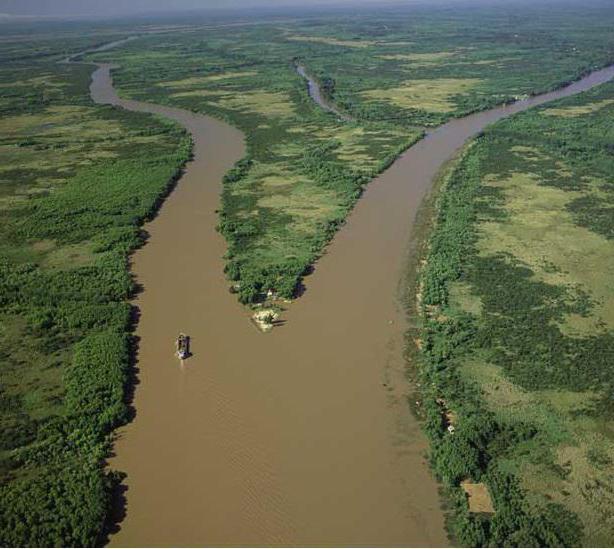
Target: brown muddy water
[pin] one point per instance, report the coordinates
(301, 437)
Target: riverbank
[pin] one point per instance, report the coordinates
(268, 435)
(304, 169)
(83, 180)
(423, 401)
(315, 92)
(504, 319)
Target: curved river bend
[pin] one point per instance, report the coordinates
(301, 437)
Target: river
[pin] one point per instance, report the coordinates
(301, 437)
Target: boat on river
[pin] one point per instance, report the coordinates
(183, 346)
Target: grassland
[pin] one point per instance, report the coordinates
(76, 183)
(393, 73)
(517, 305)
(429, 95)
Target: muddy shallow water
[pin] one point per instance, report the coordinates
(298, 437)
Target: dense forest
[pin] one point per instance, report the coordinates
(517, 332)
(77, 181)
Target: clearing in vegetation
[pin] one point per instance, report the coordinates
(331, 41)
(433, 95)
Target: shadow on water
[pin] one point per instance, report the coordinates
(117, 502)
(118, 506)
(301, 287)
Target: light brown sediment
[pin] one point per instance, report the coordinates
(300, 437)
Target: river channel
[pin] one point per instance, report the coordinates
(300, 437)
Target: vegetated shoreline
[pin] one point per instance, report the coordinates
(426, 402)
(429, 344)
(410, 298)
(116, 505)
(164, 195)
(215, 368)
(64, 498)
(332, 109)
(322, 98)
(292, 289)
(535, 93)
(115, 495)
(286, 280)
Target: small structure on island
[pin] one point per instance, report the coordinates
(265, 319)
(182, 346)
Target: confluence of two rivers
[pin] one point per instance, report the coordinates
(302, 437)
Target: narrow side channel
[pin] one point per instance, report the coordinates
(313, 88)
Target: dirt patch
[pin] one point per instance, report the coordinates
(478, 497)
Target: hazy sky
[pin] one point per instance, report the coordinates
(119, 7)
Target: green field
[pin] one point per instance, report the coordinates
(517, 301)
